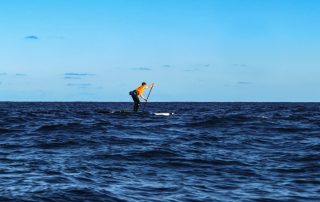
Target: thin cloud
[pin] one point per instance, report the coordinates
(244, 83)
(192, 69)
(142, 68)
(31, 37)
(78, 74)
(167, 66)
(20, 74)
(72, 77)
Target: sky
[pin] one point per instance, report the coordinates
(193, 50)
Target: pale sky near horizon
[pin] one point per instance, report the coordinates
(194, 50)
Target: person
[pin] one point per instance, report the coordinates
(138, 92)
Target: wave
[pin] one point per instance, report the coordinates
(57, 144)
(220, 120)
(61, 127)
(73, 194)
(5, 130)
(158, 153)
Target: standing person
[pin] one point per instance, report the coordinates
(138, 93)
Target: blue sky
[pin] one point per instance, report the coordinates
(194, 50)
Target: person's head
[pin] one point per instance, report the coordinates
(144, 83)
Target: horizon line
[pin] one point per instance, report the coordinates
(160, 102)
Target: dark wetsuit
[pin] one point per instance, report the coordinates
(134, 95)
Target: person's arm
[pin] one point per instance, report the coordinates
(143, 97)
(150, 86)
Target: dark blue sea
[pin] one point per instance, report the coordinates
(203, 152)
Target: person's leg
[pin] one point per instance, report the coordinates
(136, 102)
(136, 107)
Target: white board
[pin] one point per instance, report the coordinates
(163, 114)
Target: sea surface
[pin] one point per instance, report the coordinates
(203, 152)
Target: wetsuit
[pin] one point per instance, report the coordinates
(136, 100)
(134, 94)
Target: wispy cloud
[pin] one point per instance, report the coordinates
(31, 37)
(243, 83)
(71, 77)
(142, 68)
(194, 69)
(239, 65)
(167, 66)
(77, 76)
(20, 74)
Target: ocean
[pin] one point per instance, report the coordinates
(203, 152)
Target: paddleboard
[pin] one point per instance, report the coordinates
(135, 113)
(163, 114)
